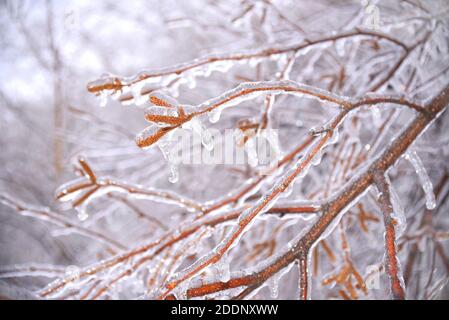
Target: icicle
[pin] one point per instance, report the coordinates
(251, 151)
(214, 115)
(136, 91)
(103, 98)
(426, 183)
(189, 79)
(317, 158)
(335, 137)
(116, 94)
(173, 175)
(162, 116)
(82, 214)
(221, 66)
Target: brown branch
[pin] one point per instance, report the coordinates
(333, 208)
(249, 215)
(303, 163)
(114, 83)
(303, 277)
(348, 104)
(79, 191)
(162, 243)
(426, 220)
(246, 90)
(391, 259)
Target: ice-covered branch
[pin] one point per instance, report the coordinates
(392, 265)
(290, 207)
(59, 220)
(153, 248)
(340, 201)
(81, 191)
(264, 203)
(250, 90)
(218, 62)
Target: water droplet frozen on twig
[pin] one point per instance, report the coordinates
(214, 115)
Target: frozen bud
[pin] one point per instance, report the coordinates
(163, 115)
(162, 100)
(150, 135)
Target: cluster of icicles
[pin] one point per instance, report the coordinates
(166, 113)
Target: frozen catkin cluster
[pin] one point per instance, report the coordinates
(290, 156)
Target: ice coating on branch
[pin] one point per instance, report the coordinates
(398, 210)
(250, 90)
(106, 82)
(162, 100)
(162, 116)
(170, 76)
(424, 178)
(161, 111)
(150, 135)
(350, 67)
(337, 220)
(168, 120)
(246, 218)
(62, 191)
